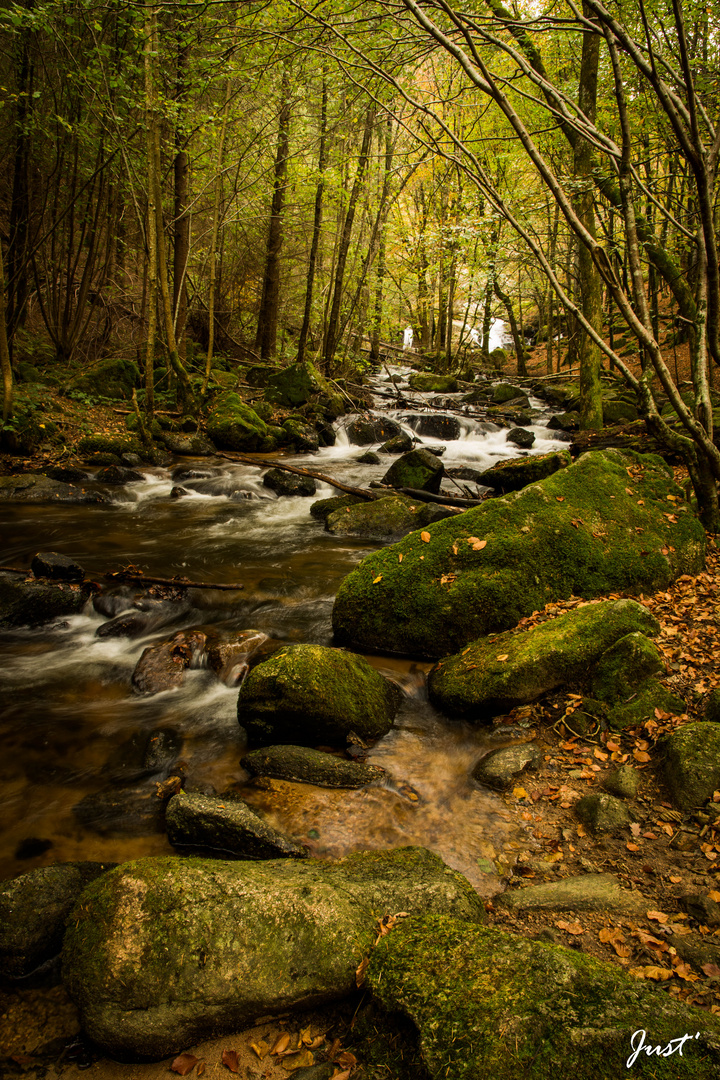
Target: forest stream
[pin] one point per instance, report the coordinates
(71, 724)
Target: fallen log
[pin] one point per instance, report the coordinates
(247, 459)
(462, 503)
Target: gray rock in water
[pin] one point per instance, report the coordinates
(32, 603)
(188, 445)
(399, 444)
(603, 813)
(164, 952)
(226, 824)
(283, 483)
(50, 564)
(500, 767)
(37, 488)
(163, 666)
(116, 474)
(419, 470)
(307, 766)
(520, 437)
(33, 910)
(369, 458)
(589, 892)
(134, 810)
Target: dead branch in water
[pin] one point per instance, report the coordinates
(247, 459)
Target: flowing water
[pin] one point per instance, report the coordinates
(72, 730)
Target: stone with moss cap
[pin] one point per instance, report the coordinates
(417, 469)
(489, 1005)
(163, 952)
(692, 764)
(494, 674)
(306, 766)
(309, 694)
(233, 425)
(578, 531)
(383, 519)
(434, 384)
(297, 384)
(520, 472)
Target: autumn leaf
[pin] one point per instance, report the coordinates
(184, 1064)
(572, 928)
(651, 971)
(361, 969)
(281, 1044)
(425, 537)
(301, 1060)
(657, 916)
(711, 970)
(347, 1059)
(520, 793)
(344, 1075)
(560, 498)
(676, 879)
(641, 756)
(230, 1058)
(400, 557)
(378, 578)
(502, 656)
(632, 847)
(635, 829)
(713, 894)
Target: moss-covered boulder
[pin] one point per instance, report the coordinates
(434, 384)
(296, 385)
(306, 766)
(419, 469)
(496, 673)
(109, 378)
(233, 425)
(285, 483)
(309, 694)
(603, 813)
(601, 525)
(617, 411)
(109, 444)
(381, 519)
(33, 910)
(225, 824)
(323, 508)
(692, 764)
(364, 430)
(301, 436)
(32, 603)
(625, 680)
(193, 445)
(489, 1005)
(164, 952)
(517, 473)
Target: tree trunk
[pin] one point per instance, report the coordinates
(331, 336)
(181, 246)
(266, 337)
(5, 365)
(214, 242)
(317, 222)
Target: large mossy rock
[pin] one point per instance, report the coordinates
(32, 603)
(33, 910)
(518, 473)
(692, 763)
(164, 952)
(109, 378)
(492, 675)
(419, 469)
(297, 384)
(434, 384)
(625, 680)
(309, 694)
(601, 525)
(488, 1005)
(234, 425)
(28, 487)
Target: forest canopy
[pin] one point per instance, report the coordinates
(192, 186)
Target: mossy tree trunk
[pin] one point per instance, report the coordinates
(266, 337)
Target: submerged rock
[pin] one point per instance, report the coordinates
(164, 952)
(33, 910)
(163, 666)
(284, 483)
(490, 1005)
(482, 571)
(226, 824)
(309, 694)
(51, 564)
(32, 603)
(499, 768)
(306, 766)
(492, 675)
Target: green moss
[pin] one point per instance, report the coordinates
(296, 385)
(382, 519)
(517, 473)
(640, 704)
(692, 763)
(309, 694)
(108, 444)
(628, 662)
(234, 425)
(578, 532)
(475, 682)
(418, 469)
(109, 378)
(488, 1005)
(324, 507)
(434, 384)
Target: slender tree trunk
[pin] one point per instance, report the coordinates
(317, 222)
(590, 280)
(331, 336)
(5, 364)
(266, 337)
(181, 246)
(517, 339)
(217, 205)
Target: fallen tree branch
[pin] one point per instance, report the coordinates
(246, 459)
(444, 500)
(178, 582)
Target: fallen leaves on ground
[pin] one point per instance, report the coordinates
(184, 1063)
(230, 1057)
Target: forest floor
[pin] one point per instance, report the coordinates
(662, 858)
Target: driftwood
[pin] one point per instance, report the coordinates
(246, 459)
(177, 582)
(461, 503)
